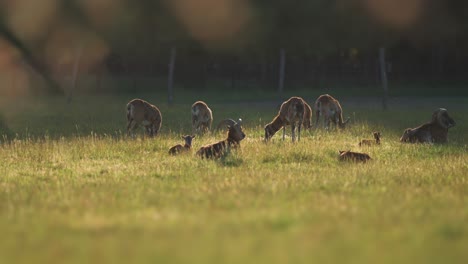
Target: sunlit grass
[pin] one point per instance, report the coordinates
(89, 194)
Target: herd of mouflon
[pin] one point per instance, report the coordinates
(294, 112)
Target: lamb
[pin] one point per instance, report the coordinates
(435, 131)
(202, 117)
(369, 142)
(353, 156)
(291, 113)
(140, 112)
(179, 148)
(221, 148)
(331, 110)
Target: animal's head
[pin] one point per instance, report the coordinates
(376, 135)
(406, 135)
(188, 139)
(343, 154)
(343, 125)
(269, 132)
(235, 131)
(441, 117)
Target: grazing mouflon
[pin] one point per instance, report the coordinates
(330, 109)
(353, 156)
(179, 148)
(202, 117)
(369, 142)
(140, 112)
(291, 113)
(435, 131)
(221, 148)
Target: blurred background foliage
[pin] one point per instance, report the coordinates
(229, 44)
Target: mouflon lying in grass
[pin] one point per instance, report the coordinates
(179, 148)
(217, 150)
(370, 142)
(353, 156)
(435, 131)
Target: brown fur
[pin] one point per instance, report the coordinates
(291, 113)
(307, 121)
(370, 142)
(217, 150)
(202, 117)
(179, 148)
(354, 156)
(140, 112)
(435, 131)
(331, 110)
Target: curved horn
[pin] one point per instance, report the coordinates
(225, 123)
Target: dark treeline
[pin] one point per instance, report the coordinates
(235, 40)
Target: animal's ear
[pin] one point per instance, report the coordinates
(239, 121)
(341, 151)
(193, 136)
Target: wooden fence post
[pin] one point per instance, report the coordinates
(383, 75)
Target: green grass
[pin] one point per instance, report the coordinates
(74, 189)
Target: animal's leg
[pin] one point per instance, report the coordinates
(128, 128)
(203, 128)
(299, 132)
(148, 130)
(284, 132)
(129, 122)
(426, 137)
(156, 128)
(293, 131)
(317, 116)
(209, 125)
(131, 128)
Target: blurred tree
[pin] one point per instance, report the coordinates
(5, 33)
(235, 40)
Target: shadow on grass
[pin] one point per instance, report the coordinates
(230, 160)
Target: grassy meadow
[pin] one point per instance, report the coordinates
(74, 189)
